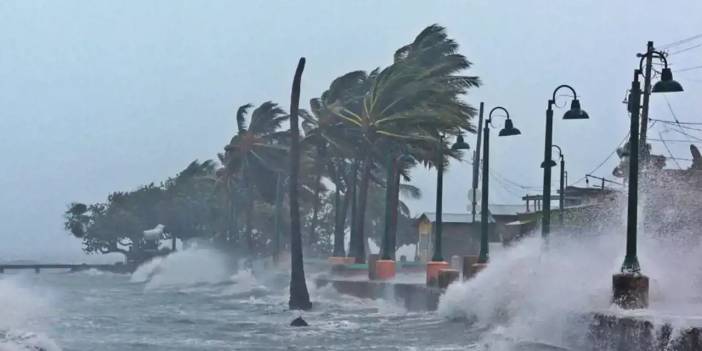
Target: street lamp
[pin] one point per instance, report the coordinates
(665, 85)
(437, 261)
(561, 198)
(508, 130)
(575, 112)
(630, 286)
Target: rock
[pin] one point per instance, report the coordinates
(299, 322)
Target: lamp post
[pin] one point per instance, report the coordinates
(437, 262)
(575, 112)
(508, 130)
(561, 197)
(630, 286)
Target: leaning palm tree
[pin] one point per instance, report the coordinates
(253, 158)
(410, 103)
(299, 296)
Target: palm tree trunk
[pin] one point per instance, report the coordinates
(354, 240)
(313, 237)
(360, 253)
(299, 296)
(339, 221)
(395, 210)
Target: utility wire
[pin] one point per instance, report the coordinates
(674, 122)
(686, 49)
(605, 160)
(686, 69)
(669, 152)
(681, 41)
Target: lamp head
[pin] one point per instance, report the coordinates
(460, 144)
(509, 129)
(575, 111)
(667, 84)
(550, 163)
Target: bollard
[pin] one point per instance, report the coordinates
(447, 276)
(456, 262)
(630, 290)
(384, 269)
(468, 262)
(433, 268)
(372, 259)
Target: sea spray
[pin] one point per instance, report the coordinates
(545, 292)
(535, 293)
(22, 309)
(187, 267)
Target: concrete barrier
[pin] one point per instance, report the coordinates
(414, 297)
(468, 262)
(447, 276)
(614, 333)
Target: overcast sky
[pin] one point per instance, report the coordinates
(104, 96)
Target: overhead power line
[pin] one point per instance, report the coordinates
(686, 49)
(681, 41)
(687, 69)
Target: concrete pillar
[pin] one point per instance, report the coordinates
(630, 291)
(456, 262)
(372, 259)
(468, 262)
(447, 276)
(433, 268)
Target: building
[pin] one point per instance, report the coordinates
(460, 235)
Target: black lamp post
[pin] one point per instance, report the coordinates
(561, 197)
(437, 256)
(630, 287)
(459, 145)
(575, 112)
(508, 130)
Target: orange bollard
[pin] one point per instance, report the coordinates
(384, 269)
(433, 268)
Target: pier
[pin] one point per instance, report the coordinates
(38, 267)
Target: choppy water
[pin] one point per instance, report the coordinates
(168, 307)
(192, 300)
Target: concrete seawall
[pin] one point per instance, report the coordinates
(615, 333)
(413, 296)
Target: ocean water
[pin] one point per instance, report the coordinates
(191, 301)
(532, 297)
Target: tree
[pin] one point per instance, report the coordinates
(409, 104)
(299, 296)
(252, 159)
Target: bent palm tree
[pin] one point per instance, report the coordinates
(254, 156)
(299, 296)
(410, 103)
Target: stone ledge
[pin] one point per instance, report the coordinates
(615, 333)
(414, 297)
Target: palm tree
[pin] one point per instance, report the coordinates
(252, 158)
(325, 135)
(299, 296)
(408, 104)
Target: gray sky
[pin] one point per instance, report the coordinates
(104, 96)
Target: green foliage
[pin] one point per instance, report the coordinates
(361, 118)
